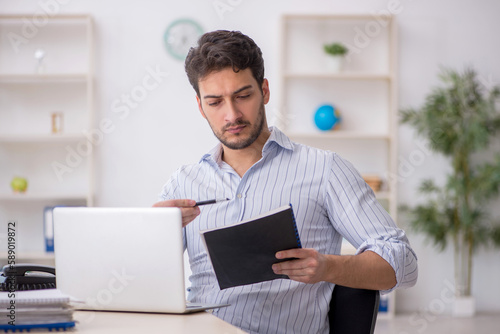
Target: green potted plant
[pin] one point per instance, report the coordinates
(460, 120)
(336, 55)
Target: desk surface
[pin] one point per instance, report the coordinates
(90, 322)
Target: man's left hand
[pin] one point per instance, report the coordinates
(309, 266)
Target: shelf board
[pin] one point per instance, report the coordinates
(338, 134)
(41, 138)
(42, 197)
(330, 17)
(385, 315)
(30, 256)
(44, 78)
(16, 17)
(383, 195)
(339, 76)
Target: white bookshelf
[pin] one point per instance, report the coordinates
(44, 78)
(29, 95)
(63, 138)
(33, 256)
(364, 92)
(337, 76)
(46, 196)
(47, 259)
(340, 134)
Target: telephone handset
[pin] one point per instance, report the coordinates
(20, 277)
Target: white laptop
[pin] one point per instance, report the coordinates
(122, 259)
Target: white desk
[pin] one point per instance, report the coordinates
(125, 322)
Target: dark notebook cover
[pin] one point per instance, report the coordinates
(244, 253)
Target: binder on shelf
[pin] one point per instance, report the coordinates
(384, 304)
(48, 228)
(243, 253)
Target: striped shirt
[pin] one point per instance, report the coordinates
(330, 201)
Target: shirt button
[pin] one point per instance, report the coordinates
(239, 195)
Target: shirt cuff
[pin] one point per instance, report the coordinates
(399, 255)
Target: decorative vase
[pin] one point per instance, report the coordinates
(335, 64)
(464, 307)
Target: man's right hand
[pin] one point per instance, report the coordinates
(188, 209)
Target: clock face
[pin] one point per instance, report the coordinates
(180, 36)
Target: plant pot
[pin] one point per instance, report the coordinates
(464, 307)
(335, 64)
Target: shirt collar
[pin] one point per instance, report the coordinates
(276, 138)
(214, 155)
(279, 138)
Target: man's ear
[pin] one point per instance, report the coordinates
(266, 94)
(200, 107)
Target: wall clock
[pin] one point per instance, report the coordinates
(180, 36)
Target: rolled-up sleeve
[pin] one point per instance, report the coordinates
(357, 215)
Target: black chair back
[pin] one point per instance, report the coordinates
(353, 311)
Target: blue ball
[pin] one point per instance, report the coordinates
(326, 117)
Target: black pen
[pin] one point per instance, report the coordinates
(211, 201)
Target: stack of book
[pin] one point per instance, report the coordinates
(26, 310)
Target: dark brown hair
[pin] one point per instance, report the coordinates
(220, 49)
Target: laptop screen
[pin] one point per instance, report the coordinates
(123, 259)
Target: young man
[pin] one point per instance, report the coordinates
(260, 169)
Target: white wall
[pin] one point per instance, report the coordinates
(165, 130)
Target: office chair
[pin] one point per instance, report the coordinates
(353, 311)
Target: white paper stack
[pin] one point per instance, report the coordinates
(48, 308)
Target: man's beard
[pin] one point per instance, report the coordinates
(256, 130)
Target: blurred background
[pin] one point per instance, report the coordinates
(118, 73)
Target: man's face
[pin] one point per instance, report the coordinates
(233, 105)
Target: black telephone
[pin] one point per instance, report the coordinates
(20, 277)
